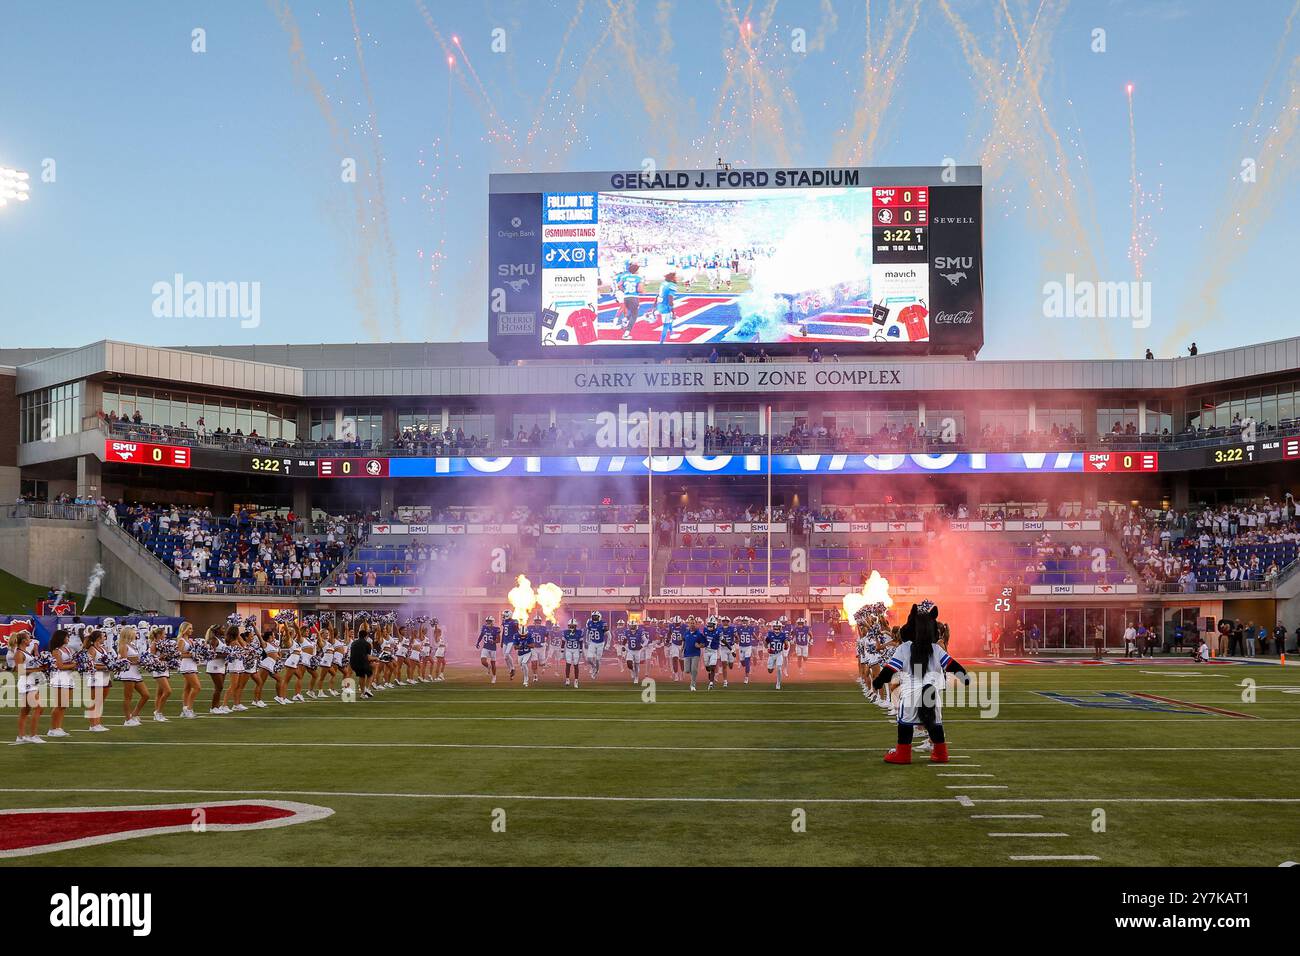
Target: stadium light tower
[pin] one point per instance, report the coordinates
(13, 185)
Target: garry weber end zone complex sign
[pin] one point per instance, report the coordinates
(561, 466)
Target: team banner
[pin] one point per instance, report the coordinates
(680, 262)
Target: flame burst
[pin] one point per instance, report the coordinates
(875, 591)
(523, 598)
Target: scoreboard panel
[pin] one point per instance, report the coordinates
(863, 260)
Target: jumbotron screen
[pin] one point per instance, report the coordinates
(846, 260)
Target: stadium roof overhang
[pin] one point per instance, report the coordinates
(372, 371)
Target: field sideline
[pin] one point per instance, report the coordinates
(597, 776)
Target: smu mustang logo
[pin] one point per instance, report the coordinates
(46, 830)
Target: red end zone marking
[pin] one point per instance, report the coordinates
(31, 831)
(1187, 703)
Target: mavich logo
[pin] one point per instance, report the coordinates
(76, 909)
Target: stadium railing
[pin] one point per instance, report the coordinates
(64, 511)
(747, 444)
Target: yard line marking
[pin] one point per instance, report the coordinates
(965, 801)
(977, 786)
(1034, 835)
(1006, 816)
(1050, 858)
(972, 721)
(1104, 749)
(1188, 703)
(454, 746)
(578, 798)
(627, 799)
(965, 775)
(965, 766)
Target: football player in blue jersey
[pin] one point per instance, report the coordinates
(727, 649)
(572, 651)
(635, 637)
(692, 644)
(524, 651)
(746, 634)
(778, 644)
(803, 640)
(676, 637)
(537, 648)
(509, 636)
(713, 644)
(488, 637)
(597, 630)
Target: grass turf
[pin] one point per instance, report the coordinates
(415, 776)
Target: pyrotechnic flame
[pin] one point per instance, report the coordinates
(522, 599)
(875, 591)
(549, 597)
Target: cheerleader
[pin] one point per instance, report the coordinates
(187, 666)
(214, 653)
(439, 651)
(276, 647)
(253, 658)
(26, 653)
(310, 658)
(236, 668)
(921, 665)
(94, 660)
(158, 666)
(130, 647)
(63, 678)
(337, 647)
(293, 663)
(324, 664)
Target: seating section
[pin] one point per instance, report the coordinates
(726, 567)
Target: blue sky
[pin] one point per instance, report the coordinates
(225, 166)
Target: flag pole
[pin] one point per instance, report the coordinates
(769, 502)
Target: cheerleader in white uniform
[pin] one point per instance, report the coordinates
(439, 651)
(159, 667)
(236, 668)
(310, 659)
(62, 680)
(94, 662)
(214, 653)
(26, 652)
(272, 662)
(413, 653)
(130, 647)
(255, 662)
(338, 651)
(293, 663)
(188, 667)
(324, 663)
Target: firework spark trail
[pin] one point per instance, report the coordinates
(498, 131)
(1134, 249)
(379, 199)
(555, 74)
(655, 89)
(877, 86)
(768, 97)
(1250, 205)
(362, 287)
(1013, 138)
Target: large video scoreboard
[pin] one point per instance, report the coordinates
(682, 262)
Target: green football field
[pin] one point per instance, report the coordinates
(463, 773)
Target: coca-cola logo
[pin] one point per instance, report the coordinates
(964, 317)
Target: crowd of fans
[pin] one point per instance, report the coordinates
(247, 552)
(1230, 547)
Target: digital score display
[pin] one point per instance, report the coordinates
(1121, 461)
(146, 453)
